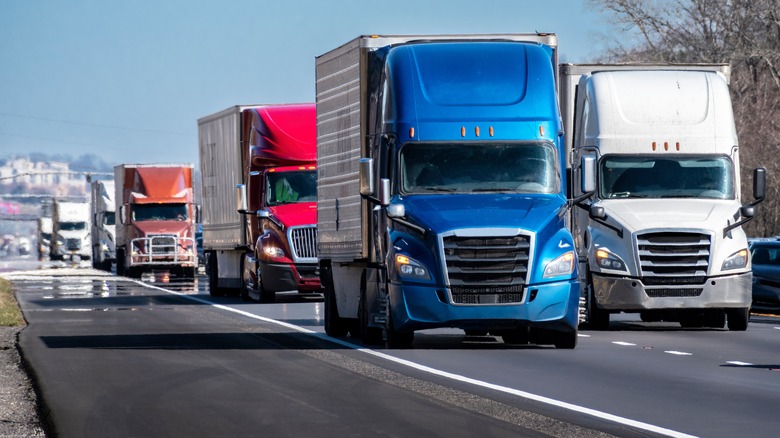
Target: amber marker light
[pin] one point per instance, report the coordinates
(402, 259)
(462, 131)
(476, 131)
(666, 145)
(678, 145)
(411, 132)
(490, 131)
(654, 146)
(541, 130)
(602, 254)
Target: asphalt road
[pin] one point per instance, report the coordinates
(115, 357)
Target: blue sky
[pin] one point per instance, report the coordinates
(127, 80)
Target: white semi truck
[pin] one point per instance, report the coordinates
(661, 234)
(103, 224)
(70, 231)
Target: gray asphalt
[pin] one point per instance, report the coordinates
(112, 358)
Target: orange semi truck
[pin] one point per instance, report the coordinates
(156, 219)
(262, 241)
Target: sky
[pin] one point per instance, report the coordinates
(128, 80)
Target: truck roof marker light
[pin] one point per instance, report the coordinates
(490, 131)
(312, 167)
(411, 132)
(271, 170)
(653, 146)
(301, 167)
(476, 131)
(666, 145)
(541, 130)
(462, 131)
(678, 145)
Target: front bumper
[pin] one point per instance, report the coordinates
(621, 293)
(279, 277)
(550, 305)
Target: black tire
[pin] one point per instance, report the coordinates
(565, 340)
(692, 319)
(715, 318)
(738, 319)
(106, 265)
(212, 272)
(243, 288)
(518, 336)
(396, 339)
(369, 335)
(335, 326)
(266, 296)
(120, 261)
(598, 319)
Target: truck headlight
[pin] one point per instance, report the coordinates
(561, 265)
(410, 268)
(607, 260)
(737, 260)
(273, 251)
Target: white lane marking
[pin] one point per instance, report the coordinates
(627, 344)
(678, 353)
(742, 364)
(583, 336)
(440, 373)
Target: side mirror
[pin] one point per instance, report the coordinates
(597, 212)
(759, 183)
(241, 203)
(588, 174)
(384, 192)
(366, 176)
(747, 211)
(123, 214)
(198, 213)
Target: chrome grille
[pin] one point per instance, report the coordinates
(303, 241)
(487, 269)
(673, 264)
(161, 244)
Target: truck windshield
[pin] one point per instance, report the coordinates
(160, 212)
(492, 167)
(668, 177)
(291, 187)
(73, 226)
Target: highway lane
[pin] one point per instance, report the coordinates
(655, 378)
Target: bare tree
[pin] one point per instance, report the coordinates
(743, 33)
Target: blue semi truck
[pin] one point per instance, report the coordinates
(441, 191)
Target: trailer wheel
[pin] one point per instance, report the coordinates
(335, 326)
(738, 319)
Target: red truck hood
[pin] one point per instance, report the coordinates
(181, 229)
(291, 215)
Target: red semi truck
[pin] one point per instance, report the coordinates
(155, 227)
(259, 197)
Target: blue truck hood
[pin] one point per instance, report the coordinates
(441, 213)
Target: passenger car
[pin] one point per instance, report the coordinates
(765, 255)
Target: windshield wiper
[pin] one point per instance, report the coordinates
(437, 189)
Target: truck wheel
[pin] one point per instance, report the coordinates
(335, 326)
(266, 296)
(244, 284)
(598, 319)
(369, 335)
(518, 336)
(120, 261)
(566, 340)
(396, 339)
(211, 271)
(738, 319)
(715, 318)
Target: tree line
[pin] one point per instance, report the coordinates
(742, 33)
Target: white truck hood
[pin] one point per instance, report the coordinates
(642, 214)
